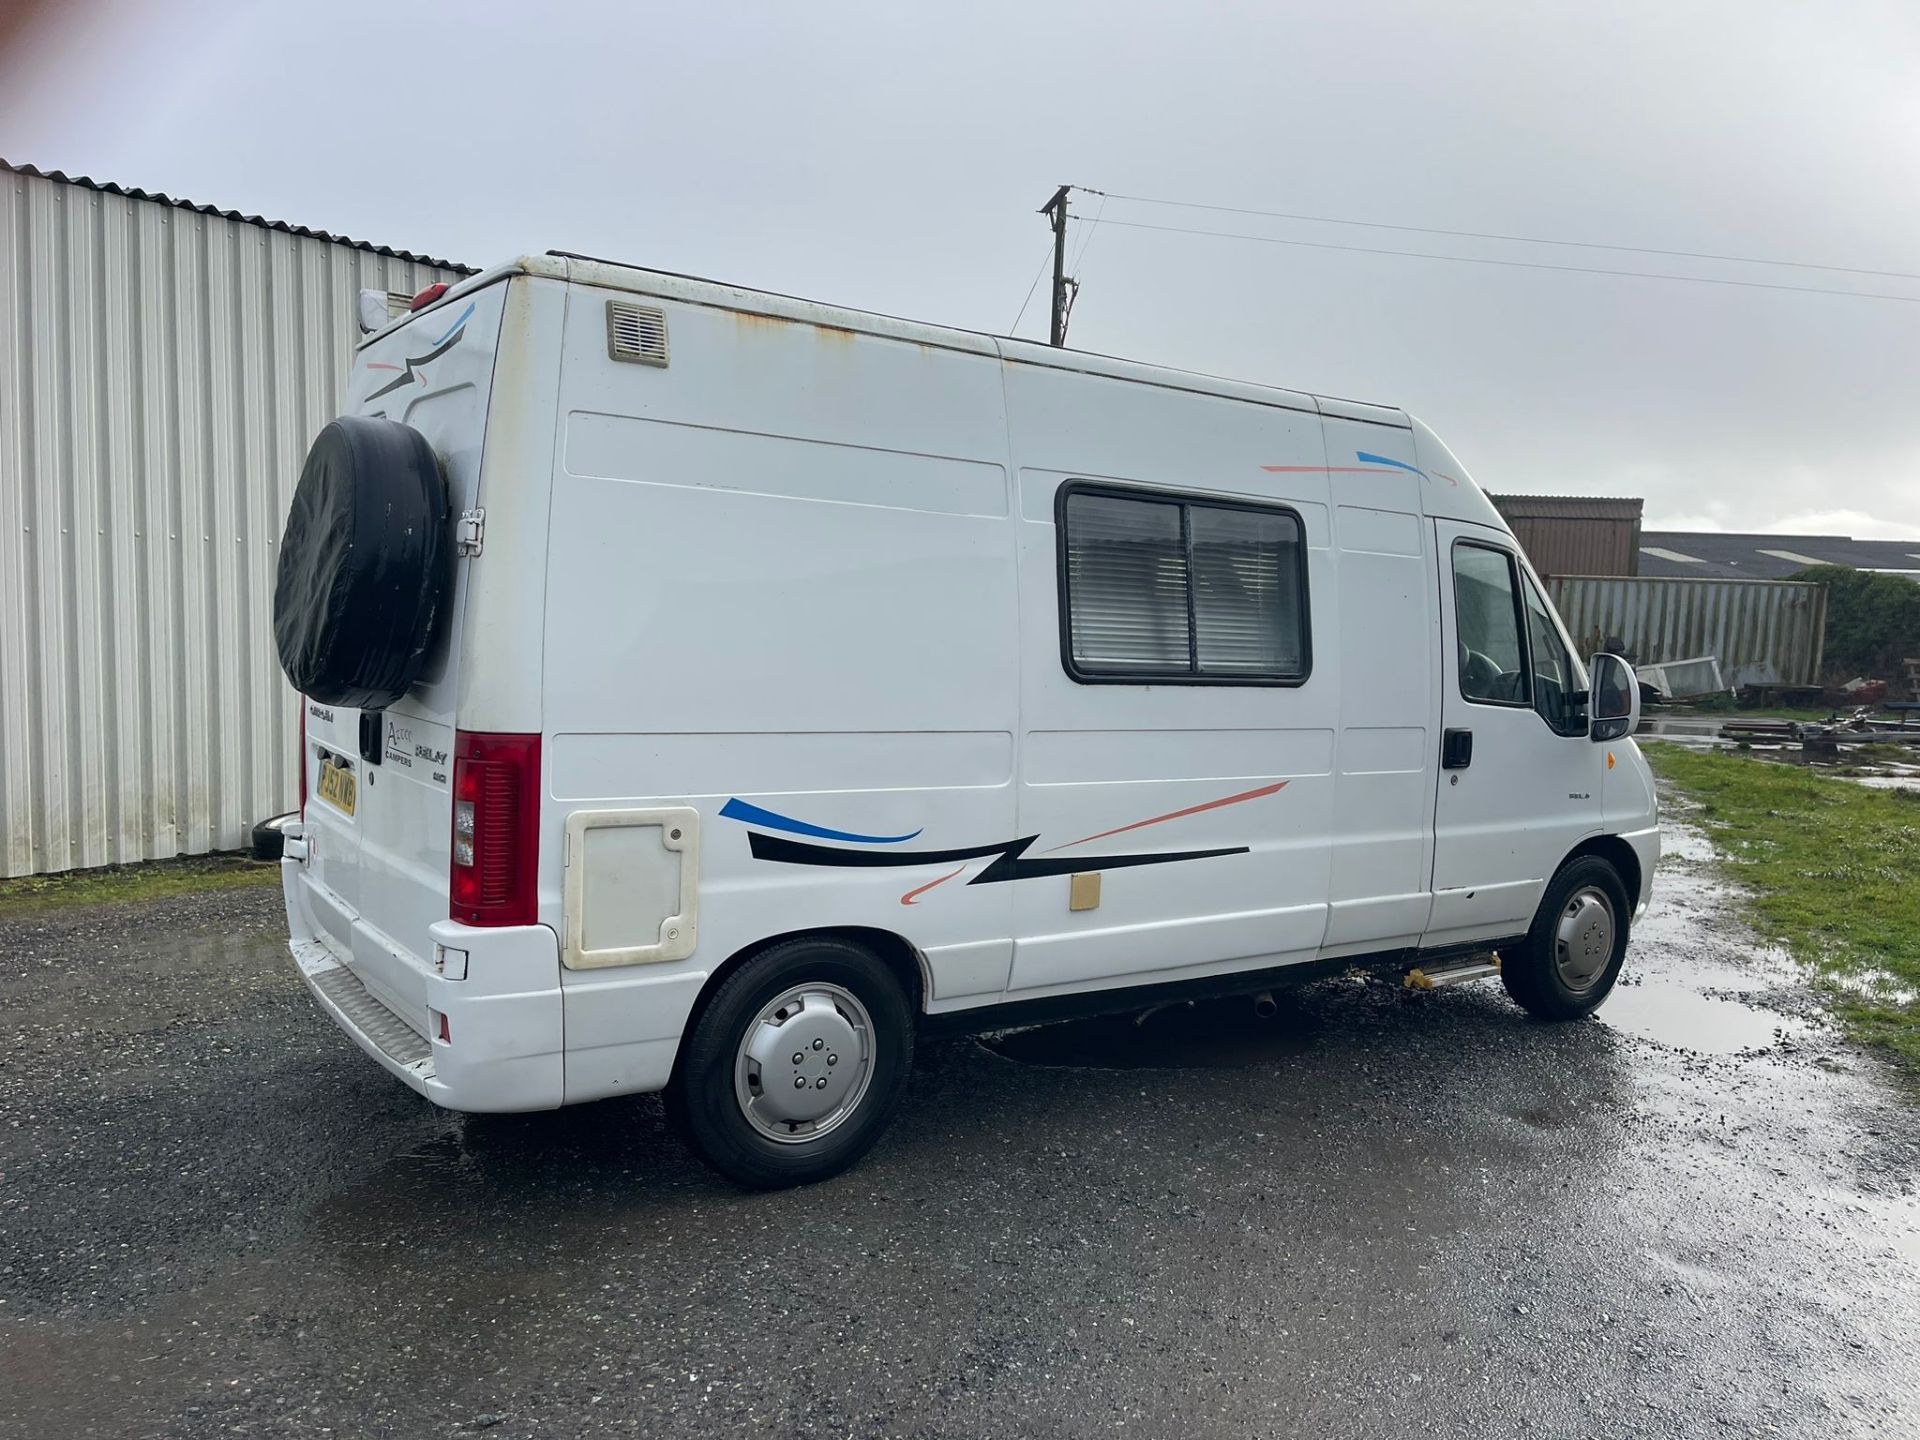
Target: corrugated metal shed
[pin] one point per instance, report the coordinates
(165, 367)
(1575, 534)
(1763, 632)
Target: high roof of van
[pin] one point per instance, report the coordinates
(693, 290)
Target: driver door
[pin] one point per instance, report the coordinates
(1519, 782)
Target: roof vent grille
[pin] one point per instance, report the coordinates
(636, 333)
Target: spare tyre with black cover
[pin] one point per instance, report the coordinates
(366, 564)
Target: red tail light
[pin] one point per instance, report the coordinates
(496, 828)
(303, 754)
(427, 296)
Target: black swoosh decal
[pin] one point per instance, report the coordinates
(406, 377)
(1011, 862)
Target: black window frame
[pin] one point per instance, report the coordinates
(1579, 710)
(1519, 620)
(1186, 501)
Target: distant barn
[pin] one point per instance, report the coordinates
(1575, 534)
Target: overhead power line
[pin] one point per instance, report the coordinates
(1516, 264)
(1045, 255)
(1495, 235)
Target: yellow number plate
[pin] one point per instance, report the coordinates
(336, 786)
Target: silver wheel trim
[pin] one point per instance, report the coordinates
(804, 1064)
(1583, 939)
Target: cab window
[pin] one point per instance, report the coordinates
(1556, 686)
(1487, 617)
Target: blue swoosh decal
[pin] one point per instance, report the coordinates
(465, 315)
(738, 809)
(1365, 459)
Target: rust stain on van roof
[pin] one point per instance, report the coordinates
(751, 319)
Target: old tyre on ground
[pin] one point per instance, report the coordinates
(270, 838)
(1573, 952)
(795, 1063)
(366, 564)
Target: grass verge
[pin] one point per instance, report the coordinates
(37, 894)
(1834, 874)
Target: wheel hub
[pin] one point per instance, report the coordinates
(804, 1063)
(1583, 939)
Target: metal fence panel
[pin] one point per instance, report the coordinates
(1763, 632)
(163, 373)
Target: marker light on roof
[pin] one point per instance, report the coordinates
(427, 296)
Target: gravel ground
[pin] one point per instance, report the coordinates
(1379, 1214)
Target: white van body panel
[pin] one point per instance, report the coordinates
(785, 614)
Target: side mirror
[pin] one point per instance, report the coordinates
(1614, 703)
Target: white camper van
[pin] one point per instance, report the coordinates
(707, 691)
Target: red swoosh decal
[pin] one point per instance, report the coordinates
(911, 897)
(1272, 789)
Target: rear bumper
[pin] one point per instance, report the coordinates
(504, 1048)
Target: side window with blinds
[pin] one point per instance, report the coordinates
(1163, 589)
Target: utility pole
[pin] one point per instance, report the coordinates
(1056, 210)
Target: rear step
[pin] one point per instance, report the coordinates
(1474, 967)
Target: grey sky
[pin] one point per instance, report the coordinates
(890, 156)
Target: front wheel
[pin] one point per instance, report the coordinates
(794, 1066)
(1574, 950)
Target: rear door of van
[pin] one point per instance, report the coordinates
(379, 839)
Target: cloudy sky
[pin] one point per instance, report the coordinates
(890, 156)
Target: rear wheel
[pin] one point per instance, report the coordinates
(1576, 945)
(794, 1066)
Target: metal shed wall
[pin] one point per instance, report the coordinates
(165, 368)
(1764, 632)
(1575, 535)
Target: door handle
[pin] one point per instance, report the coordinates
(372, 733)
(1456, 749)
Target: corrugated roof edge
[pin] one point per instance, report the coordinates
(107, 187)
(1688, 580)
(1576, 507)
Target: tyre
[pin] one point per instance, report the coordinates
(794, 1066)
(269, 836)
(366, 564)
(1573, 952)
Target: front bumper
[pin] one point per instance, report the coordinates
(503, 1049)
(1646, 849)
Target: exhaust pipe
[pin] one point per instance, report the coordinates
(1264, 1005)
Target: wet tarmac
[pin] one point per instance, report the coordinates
(1379, 1213)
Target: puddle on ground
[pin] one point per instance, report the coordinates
(1887, 782)
(1873, 985)
(1206, 1034)
(1684, 843)
(1684, 1019)
(1682, 727)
